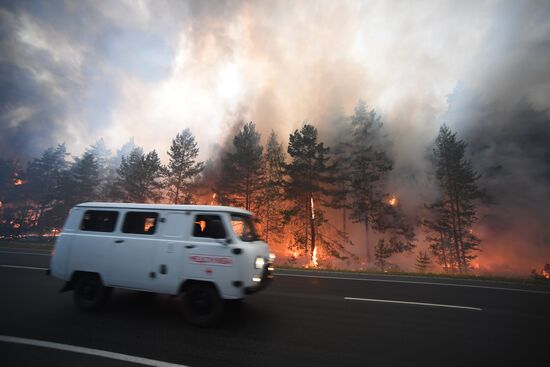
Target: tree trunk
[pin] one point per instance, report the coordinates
(367, 240)
(312, 219)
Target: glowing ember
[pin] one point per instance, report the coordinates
(16, 225)
(393, 201)
(1, 204)
(18, 182)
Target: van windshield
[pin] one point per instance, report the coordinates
(243, 226)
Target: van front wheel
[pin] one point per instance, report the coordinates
(89, 292)
(202, 305)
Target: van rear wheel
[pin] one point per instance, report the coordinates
(90, 293)
(202, 305)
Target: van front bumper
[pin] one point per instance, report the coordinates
(265, 279)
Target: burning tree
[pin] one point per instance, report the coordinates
(242, 172)
(182, 167)
(454, 212)
(368, 166)
(12, 198)
(308, 176)
(139, 177)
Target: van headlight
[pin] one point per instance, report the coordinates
(271, 257)
(259, 263)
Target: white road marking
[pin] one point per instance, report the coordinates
(90, 351)
(413, 282)
(24, 253)
(22, 267)
(412, 303)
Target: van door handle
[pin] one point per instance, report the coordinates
(190, 246)
(119, 241)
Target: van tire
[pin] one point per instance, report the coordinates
(89, 292)
(202, 305)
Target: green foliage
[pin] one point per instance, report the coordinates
(242, 172)
(139, 177)
(451, 217)
(182, 167)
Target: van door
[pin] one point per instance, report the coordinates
(169, 259)
(133, 251)
(209, 257)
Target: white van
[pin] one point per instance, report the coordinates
(204, 253)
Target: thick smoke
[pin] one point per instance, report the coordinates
(505, 116)
(75, 72)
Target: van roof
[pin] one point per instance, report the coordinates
(201, 208)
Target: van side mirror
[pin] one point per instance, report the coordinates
(228, 241)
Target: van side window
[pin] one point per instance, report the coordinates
(99, 221)
(140, 222)
(208, 226)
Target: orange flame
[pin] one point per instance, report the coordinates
(18, 182)
(314, 261)
(314, 254)
(393, 201)
(213, 198)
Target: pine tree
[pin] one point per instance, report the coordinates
(382, 252)
(241, 179)
(79, 183)
(106, 168)
(368, 165)
(341, 198)
(439, 237)
(272, 195)
(44, 179)
(423, 261)
(308, 175)
(454, 213)
(182, 167)
(139, 176)
(85, 178)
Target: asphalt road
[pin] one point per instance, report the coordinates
(302, 319)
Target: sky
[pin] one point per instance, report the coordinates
(78, 71)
